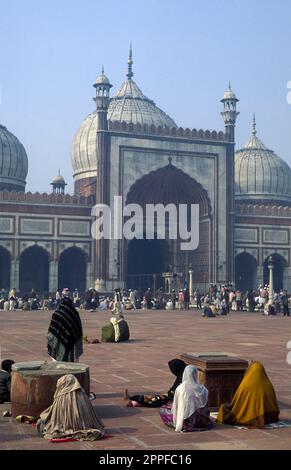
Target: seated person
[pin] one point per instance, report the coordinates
(177, 367)
(207, 312)
(117, 330)
(254, 403)
(71, 415)
(5, 380)
(189, 411)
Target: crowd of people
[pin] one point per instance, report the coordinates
(216, 300)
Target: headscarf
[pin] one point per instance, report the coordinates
(254, 403)
(177, 367)
(189, 397)
(71, 414)
(66, 327)
(114, 322)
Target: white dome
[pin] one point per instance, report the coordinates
(260, 174)
(129, 105)
(13, 162)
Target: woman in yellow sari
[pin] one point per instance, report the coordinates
(254, 403)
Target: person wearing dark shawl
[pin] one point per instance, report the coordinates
(177, 367)
(64, 338)
(71, 415)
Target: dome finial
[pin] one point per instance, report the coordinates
(130, 62)
(254, 124)
(229, 85)
(102, 69)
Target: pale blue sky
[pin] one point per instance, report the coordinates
(185, 52)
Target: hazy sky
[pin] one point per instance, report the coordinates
(185, 52)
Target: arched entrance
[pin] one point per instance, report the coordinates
(170, 185)
(72, 269)
(245, 272)
(278, 271)
(5, 266)
(146, 261)
(34, 271)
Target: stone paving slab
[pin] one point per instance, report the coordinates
(141, 366)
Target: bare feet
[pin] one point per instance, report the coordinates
(126, 398)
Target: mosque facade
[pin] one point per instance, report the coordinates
(129, 147)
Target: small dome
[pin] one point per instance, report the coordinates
(102, 79)
(229, 95)
(260, 174)
(13, 162)
(59, 179)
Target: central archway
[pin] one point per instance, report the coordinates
(245, 272)
(34, 271)
(170, 185)
(146, 261)
(72, 269)
(5, 263)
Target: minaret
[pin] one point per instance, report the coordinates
(59, 184)
(102, 100)
(229, 115)
(229, 112)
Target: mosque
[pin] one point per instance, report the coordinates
(129, 147)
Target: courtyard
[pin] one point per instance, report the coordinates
(140, 365)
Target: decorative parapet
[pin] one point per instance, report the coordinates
(44, 198)
(177, 132)
(269, 210)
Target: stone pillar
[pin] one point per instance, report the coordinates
(89, 275)
(287, 279)
(260, 276)
(53, 277)
(271, 280)
(14, 275)
(191, 285)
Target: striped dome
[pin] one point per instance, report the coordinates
(260, 174)
(13, 162)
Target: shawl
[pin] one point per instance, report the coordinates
(254, 403)
(71, 414)
(188, 398)
(177, 367)
(65, 328)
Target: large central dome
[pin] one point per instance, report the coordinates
(130, 105)
(260, 174)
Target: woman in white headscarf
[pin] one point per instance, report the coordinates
(71, 415)
(189, 410)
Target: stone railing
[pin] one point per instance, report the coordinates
(44, 198)
(269, 210)
(177, 132)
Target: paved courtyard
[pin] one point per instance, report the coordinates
(141, 366)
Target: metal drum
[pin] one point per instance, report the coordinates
(34, 384)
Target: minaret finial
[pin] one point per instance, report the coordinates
(130, 62)
(59, 172)
(102, 69)
(229, 85)
(254, 124)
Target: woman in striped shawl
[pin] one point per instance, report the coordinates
(64, 338)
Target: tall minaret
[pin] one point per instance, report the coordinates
(229, 115)
(229, 112)
(102, 100)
